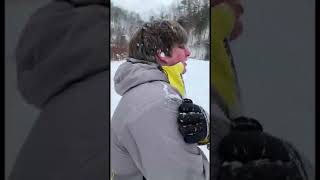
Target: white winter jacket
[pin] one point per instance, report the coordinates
(145, 141)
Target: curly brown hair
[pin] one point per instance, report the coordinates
(157, 35)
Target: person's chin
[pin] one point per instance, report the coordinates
(184, 67)
(184, 64)
(184, 70)
(237, 31)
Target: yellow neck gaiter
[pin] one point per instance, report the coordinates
(174, 74)
(223, 76)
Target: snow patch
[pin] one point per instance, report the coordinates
(169, 95)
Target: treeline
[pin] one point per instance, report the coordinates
(123, 25)
(192, 14)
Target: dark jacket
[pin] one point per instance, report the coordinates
(63, 70)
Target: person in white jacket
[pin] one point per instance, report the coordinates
(145, 141)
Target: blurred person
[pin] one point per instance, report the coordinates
(145, 141)
(240, 149)
(63, 70)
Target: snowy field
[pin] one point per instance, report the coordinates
(196, 81)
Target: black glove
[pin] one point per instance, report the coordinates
(247, 142)
(262, 170)
(249, 153)
(193, 122)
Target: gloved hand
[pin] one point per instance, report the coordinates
(193, 123)
(247, 142)
(249, 153)
(262, 170)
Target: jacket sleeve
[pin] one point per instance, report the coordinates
(157, 148)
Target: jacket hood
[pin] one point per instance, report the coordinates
(61, 45)
(134, 72)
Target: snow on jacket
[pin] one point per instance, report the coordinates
(145, 140)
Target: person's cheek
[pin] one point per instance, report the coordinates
(182, 54)
(175, 60)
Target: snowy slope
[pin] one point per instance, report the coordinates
(196, 80)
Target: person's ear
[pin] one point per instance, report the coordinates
(161, 56)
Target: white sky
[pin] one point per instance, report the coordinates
(144, 7)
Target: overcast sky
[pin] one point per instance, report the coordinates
(143, 7)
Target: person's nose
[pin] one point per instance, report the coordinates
(187, 52)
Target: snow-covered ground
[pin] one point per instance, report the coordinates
(196, 81)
